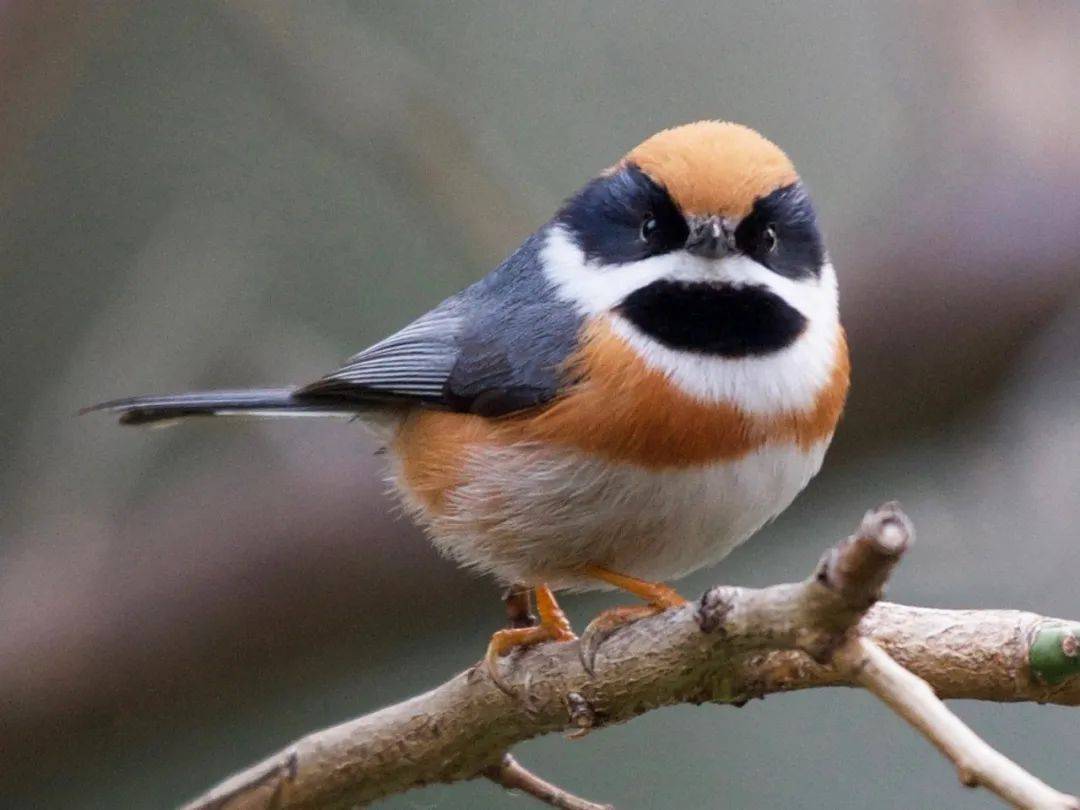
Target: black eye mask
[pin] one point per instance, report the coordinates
(797, 251)
(605, 218)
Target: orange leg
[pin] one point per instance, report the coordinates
(553, 626)
(659, 597)
(657, 594)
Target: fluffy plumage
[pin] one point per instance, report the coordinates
(611, 394)
(625, 470)
(538, 513)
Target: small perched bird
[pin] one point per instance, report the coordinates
(652, 376)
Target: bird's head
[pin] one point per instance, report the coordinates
(702, 240)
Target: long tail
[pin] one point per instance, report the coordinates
(251, 402)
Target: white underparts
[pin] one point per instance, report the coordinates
(536, 514)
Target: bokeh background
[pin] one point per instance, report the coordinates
(221, 193)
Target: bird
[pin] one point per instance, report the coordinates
(651, 377)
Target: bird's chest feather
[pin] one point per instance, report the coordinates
(537, 511)
(627, 409)
(625, 470)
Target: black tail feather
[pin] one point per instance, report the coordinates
(259, 401)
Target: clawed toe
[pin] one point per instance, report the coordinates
(605, 625)
(660, 597)
(553, 626)
(501, 643)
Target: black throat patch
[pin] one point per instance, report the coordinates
(716, 319)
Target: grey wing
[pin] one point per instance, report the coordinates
(513, 358)
(412, 364)
(497, 347)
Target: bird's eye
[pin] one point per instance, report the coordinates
(769, 238)
(648, 228)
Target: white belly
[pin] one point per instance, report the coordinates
(531, 514)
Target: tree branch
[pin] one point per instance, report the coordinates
(511, 775)
(734, 645)
(913, 699)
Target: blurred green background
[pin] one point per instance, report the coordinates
(222, 193)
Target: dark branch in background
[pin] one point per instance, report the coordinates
(736, 644)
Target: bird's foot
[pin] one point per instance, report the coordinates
(553, 626)
(659, 597)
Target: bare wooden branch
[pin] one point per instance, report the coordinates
(734, 645)
(913, 699)
(513, 776)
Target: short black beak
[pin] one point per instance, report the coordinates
(711, 237)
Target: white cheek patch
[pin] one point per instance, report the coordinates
(786, 380)
(595, 289)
